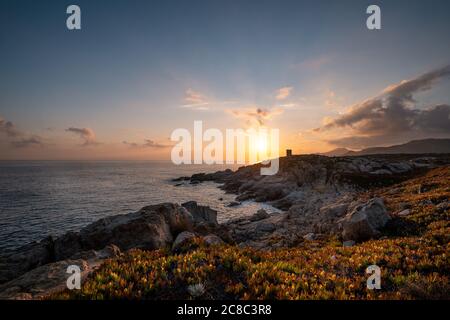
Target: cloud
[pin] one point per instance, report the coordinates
(147, 144)
(255, 115)
(86, 134)
(8, 128)
(283, 93)
(393, 114)
(332, 100)
(17, 138)
(26, 142)
(313, 63)
(195, 100)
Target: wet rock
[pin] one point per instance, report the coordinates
(233, 204)
(181, 179)
(259, 215)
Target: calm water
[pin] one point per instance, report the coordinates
(51, 197)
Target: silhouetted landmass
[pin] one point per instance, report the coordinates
(413, 147)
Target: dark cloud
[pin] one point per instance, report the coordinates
(86, 134)
(393, 114)
(147, 144)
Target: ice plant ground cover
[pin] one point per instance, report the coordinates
(413, 255)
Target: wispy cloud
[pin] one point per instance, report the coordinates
(8, 128)
(17, 138)
(314, 63)
(86, 134)
(255, 115)
(26, 142)
(147, 144)
(393, 113)
(283, 93)
(332, 100)
(195, 100)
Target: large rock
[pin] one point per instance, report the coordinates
(183, 238)
(52, 277)
(152, 227)
(212, 239)
(259, 215)
(365, 221)
(26, 258)
(66, 245)
(201, 214)
(149, 228)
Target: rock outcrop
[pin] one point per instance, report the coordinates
(365, 221)
(302, 178)
(52, 277)
(152, 227)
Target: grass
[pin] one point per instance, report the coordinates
(413, 257)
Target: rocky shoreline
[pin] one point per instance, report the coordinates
(318, 196)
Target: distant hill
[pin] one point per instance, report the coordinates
(338, 152)
(412, 147)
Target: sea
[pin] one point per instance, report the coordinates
(41, 198)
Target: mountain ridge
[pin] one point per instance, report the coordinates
(430, 145)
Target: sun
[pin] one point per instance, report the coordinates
(261, 145)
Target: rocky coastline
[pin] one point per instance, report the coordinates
(318, 197)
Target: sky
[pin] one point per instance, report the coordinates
(137, 70)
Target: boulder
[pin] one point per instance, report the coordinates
(334, 209)
(365, 221)
(212, 239)
(52, 277)
(201, 213)
(149, 228)
(183, 238)
(259, 215)
(265, 227)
